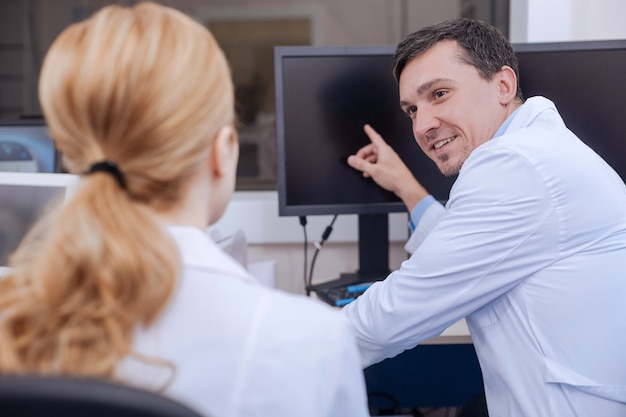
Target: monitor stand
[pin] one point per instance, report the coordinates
(373, 253)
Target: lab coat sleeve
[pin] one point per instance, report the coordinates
(424, 226)
(493, 234)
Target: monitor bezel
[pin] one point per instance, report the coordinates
(42, 179)
(569, 46)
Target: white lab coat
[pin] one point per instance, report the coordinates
(241, 349)
(531, 247)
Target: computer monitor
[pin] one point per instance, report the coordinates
(324, 95)
(585, 80)
(25, 146)
(23, 197)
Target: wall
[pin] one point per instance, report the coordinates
(566, 20)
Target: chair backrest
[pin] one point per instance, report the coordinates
(37, 396)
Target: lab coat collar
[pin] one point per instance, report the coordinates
(198, 250)
(527, 112)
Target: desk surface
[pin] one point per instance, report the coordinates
(457, 333)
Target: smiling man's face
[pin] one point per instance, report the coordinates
(453, 108)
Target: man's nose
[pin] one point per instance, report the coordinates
(424, 121)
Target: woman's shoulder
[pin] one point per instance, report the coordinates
(216, 291)
(305, 317)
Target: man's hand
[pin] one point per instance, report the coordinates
(380, 162)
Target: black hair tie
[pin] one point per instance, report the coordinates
(109, 167)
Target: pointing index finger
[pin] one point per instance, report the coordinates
(374, 136)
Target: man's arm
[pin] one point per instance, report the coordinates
(493, 235)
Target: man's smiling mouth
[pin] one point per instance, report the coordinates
(439, 144)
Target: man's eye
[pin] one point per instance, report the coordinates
(440, 93)
(411, 110)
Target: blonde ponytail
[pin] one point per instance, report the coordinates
(148, 88)
(103, 267)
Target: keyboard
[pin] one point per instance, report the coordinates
(341, 295)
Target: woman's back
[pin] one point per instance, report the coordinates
(122, 282)
(241, 349)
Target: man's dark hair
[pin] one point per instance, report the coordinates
(484, 47)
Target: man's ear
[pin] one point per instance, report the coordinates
(507, 84)
(224, 150)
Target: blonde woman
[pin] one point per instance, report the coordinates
(122, 282)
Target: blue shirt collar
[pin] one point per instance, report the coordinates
(506, 124)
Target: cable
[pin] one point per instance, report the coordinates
(303, 224)
(318, 247)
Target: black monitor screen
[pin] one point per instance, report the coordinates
(324, 97)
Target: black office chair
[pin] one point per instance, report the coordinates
(38, 396)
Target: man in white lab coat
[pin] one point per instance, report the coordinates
(530, 246)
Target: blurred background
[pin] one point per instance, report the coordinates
(247, 31)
